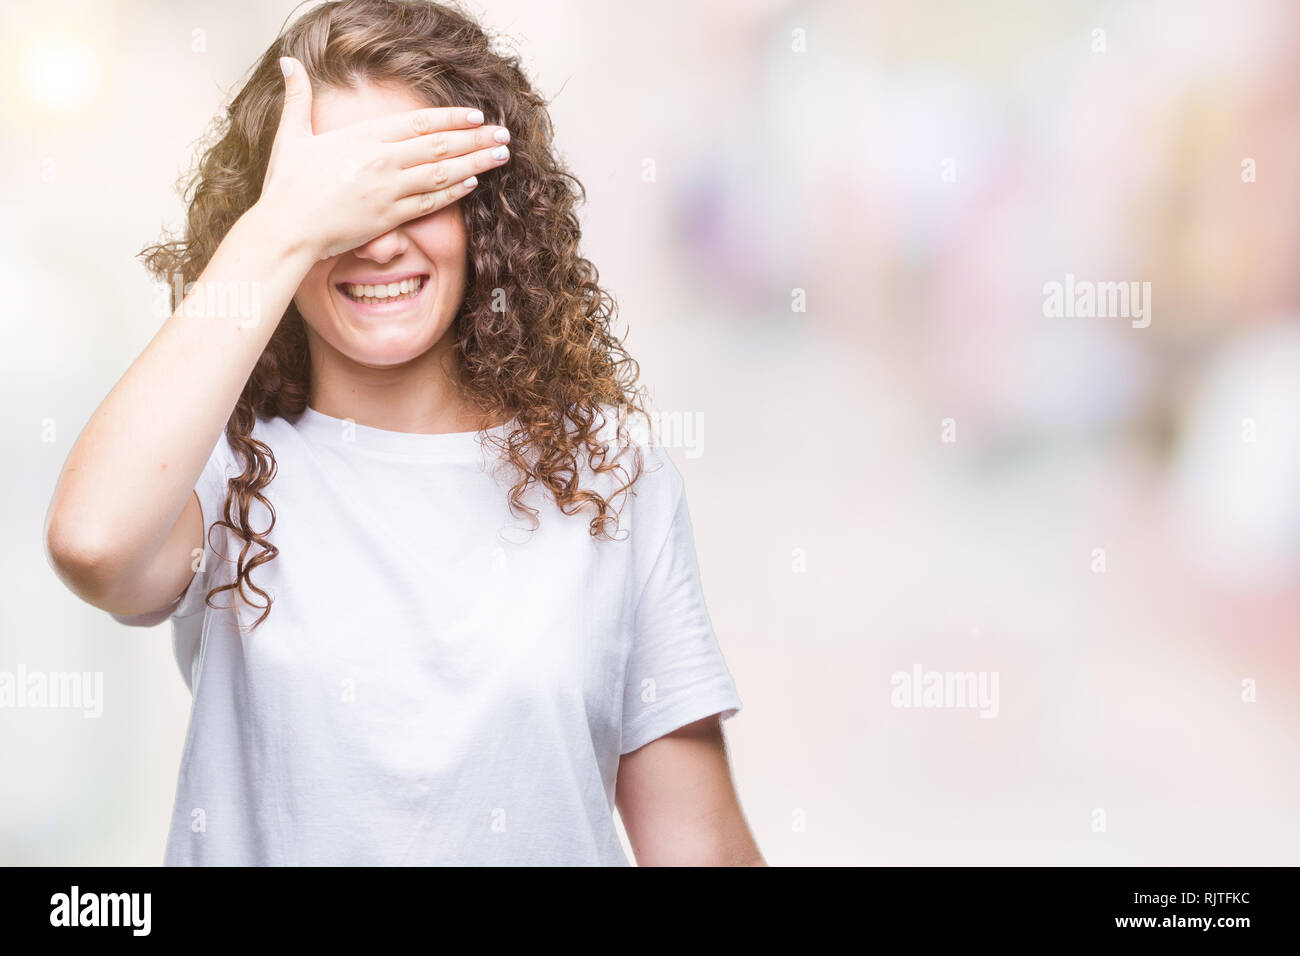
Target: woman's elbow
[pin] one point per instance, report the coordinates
(84, 561)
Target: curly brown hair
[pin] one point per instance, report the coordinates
(547, 363)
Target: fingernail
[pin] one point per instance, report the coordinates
(474, 116)
(286, 66)
(502, 136)
(500, 153)
(471, 182)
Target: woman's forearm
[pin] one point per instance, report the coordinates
(133, 468)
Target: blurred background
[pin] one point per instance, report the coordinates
(829, 226)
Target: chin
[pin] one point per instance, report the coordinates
(378, 350)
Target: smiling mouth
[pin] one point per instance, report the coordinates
(383, 294)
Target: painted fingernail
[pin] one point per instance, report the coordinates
(471, 182)
(500, 153)
(474, 116)
(502, 136)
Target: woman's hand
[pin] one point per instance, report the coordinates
(339, 190)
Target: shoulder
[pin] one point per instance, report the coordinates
(271, 430)
(656, 486)
(273, 433)
(630, 439)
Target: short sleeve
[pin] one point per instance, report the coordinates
(211, 491)
(676, 673)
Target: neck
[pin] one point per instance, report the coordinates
(423, 396)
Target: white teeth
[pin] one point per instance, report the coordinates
(405, 288)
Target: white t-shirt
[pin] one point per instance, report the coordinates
(434, 684)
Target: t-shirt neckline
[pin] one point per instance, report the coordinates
(347, 434)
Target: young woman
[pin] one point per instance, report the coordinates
(435, 599)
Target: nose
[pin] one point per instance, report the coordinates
(383, 248)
